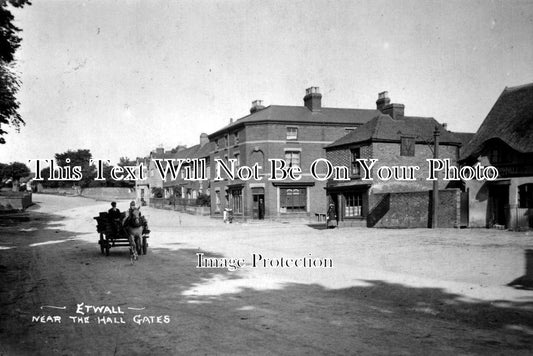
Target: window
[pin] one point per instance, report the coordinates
(525, 196)
(407, 146)
(236, 138)
(292, 133)
(354, 205)
(293, 199)
(236, 197)
(292, 158)
(227, 140)
(237, 157)
(497, 155)
(355, 167)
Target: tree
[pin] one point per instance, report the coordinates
(72, 158)
(9, 82)
(14, 171)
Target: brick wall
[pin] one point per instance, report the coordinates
(413, 209)
(388, 154)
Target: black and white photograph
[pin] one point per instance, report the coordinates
(245, 177)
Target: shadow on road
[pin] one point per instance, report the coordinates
(380, 318)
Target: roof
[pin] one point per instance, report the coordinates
(465, 137)
(386, 129)
(510, 120)
(301, 114)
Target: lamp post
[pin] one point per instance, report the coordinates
(435, 200)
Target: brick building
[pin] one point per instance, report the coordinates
(394, 140)
(296, 134)
(504, 140)
(185, 191)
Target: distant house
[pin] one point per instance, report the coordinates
(152, 186)
(142, 186)
(504, 140)
(394, 140)
(183, 190)
(295, 134)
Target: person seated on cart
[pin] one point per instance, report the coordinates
(114, 217)
(114, 212)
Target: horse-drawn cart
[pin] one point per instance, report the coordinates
(113, 234)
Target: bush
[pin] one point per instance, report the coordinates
(203, 200)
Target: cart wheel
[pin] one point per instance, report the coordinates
(107, 246)
(145, 245)
(101, 243)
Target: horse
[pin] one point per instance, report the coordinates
(133, 224)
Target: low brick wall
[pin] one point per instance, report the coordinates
(98, 193)
(109, 193)
(189, 209)
(15, 201)
(413, 209)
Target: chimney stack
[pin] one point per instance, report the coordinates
(383, 100)
(203, 139)
(383, 104)
(159, 150)
(256, 106)
(313, 99)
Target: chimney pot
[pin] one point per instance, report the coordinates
(203, 139)
(313, 99)
(383, 100)
(256, 106)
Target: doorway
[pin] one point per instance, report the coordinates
(258, 208)
(499, 203)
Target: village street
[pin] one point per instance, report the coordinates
(388, 291)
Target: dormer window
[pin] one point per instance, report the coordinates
(292, 133)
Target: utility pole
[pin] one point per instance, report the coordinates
(435, 200)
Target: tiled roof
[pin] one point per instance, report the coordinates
(465, 137)
(510, 120)
(298, 114)
(386, 129)
(196, 151)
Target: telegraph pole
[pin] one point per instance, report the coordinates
(435, 200)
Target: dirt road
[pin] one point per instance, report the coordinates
(49, 260)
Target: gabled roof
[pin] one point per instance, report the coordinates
(510, 120)
(384, 128)
(301, 114)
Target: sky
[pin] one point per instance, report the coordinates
(123, 77)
